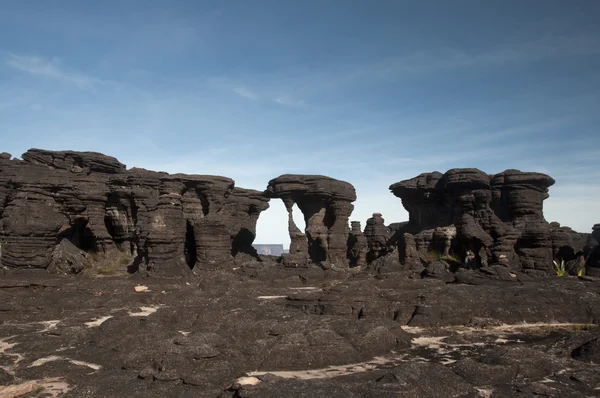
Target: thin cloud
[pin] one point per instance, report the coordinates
(52, 69)
(287, 101)
(246, 93)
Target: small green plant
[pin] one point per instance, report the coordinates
(559, 267)
(580, 271)
(432, 256)
(326, 283)
(101, 264)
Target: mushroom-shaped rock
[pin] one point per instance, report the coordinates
(518, 194)
(326, 204)
(498, 218)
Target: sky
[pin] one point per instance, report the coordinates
(369, 92)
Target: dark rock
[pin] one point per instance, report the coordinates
(441, 381)
(357, 246)
(326, 204)
(147, 373)
(388, 263)
(487, 219)
(377, 235)
(588, 352)
(480, 373)
(439, 269)
(144, 220)
(593, 260)
(204, 351)
(67, 259)
(6, 378)
(167, 375)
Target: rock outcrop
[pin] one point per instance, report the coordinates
(162, 223)
(377, 235)
(357, 246)
(593, 260)
(326, 204)
(485, 219)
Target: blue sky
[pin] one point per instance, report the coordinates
(371, 92)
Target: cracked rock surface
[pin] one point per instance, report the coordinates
(274, 331)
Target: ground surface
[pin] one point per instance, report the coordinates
(268, 331)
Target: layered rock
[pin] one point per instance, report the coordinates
(358, 246)
(165, 223)
(377, 235)
(326, 204)
(593, 260)
(498, 219)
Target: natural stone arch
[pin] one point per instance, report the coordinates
(326, 204)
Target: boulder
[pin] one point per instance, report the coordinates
(67, 259)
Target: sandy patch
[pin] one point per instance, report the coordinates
(333, 371)
(144, 311)
(5, 346)
(484, 392)
(51, 387)
(52, 358)
(98, 321)
(413, 329)
(247, 381)
(49, 325)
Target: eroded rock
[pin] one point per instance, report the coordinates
(326, 204)
(479, 220)
(146, 220)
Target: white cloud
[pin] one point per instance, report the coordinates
(52, 69)
(246, 93)
(287, 101)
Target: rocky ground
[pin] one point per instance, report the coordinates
(271, 331)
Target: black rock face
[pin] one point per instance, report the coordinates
(326, 204)
(161, 223)
(493, 219)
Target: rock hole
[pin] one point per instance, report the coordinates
(329, 218)
(203, 202)
(565, 253)
(272, 228)
(317, 251)
(189, 249)
(80, 235)
(361, 313)
(242, 243)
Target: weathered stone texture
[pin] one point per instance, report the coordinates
(326, 204)
(167, 223)
(490, 219)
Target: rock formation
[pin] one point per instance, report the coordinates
(357, 246)
(59, 209)
(495, 219)
(593, 260)
(326, 204)
(163, 223)
(377, 235)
